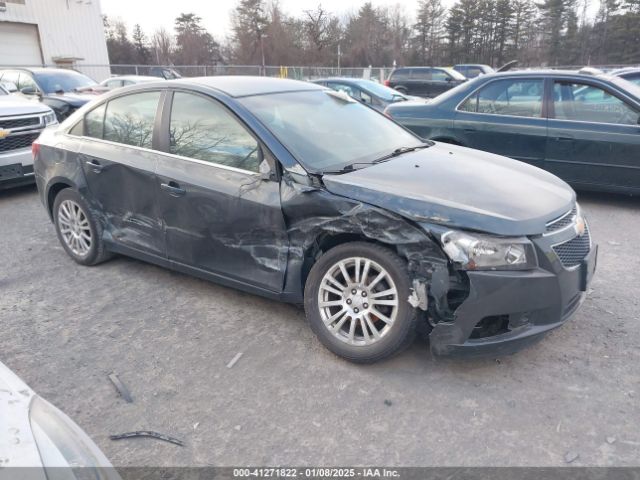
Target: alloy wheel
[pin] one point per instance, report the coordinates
(358, 301)
(74, 228)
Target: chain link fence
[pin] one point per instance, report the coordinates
(294, 72)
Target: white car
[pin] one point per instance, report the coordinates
(125, 80)
(21, 122)
(38, 441)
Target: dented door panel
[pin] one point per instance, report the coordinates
(122, 182)
(227, 222)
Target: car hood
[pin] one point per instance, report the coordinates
(11, 105)
(462, 188)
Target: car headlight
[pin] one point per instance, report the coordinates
(50, 119)
(61, 443)
(472, 251)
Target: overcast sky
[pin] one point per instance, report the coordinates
(215, 13)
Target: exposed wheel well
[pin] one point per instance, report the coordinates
(326, 242)
(53, 193)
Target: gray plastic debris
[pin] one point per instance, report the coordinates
(122, 389)
(571, 457)
(611, 440)
(234, 360)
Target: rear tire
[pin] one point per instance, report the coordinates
(78, 231)
(356, 302)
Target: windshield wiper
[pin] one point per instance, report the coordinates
(401, 150)
(397, 152)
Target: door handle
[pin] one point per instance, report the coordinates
(469, 129)
(95, 165)
(173, 189)
(564, 139)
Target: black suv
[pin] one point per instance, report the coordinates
(64, 91)
(424, 81)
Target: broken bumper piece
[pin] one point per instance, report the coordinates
(508, 310)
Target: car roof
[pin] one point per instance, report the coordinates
(623, 71)
(244, 86)
(133, 77)
(344, 80)
(547, 72)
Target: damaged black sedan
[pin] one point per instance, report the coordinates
(299, 193)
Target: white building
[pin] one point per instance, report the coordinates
(63, 33)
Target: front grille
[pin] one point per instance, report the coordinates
(572, 253)
(19, 122)
(563, 221)
(17, 142)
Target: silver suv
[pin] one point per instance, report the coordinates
(21, 122)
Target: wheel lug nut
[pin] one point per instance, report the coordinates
(354, 291)
(366, 305)
(364, 294)
(348, 301)
(356, 310)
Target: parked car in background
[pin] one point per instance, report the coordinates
(124, 81)
(583, 128)
(424, 81)
(630, 74)
(21, 122)
(39, 442)
(300, 193)
(366, 91)
(62, 90)
(167, 73)
(473, 70)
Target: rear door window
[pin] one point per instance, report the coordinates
(94, 122)
(422, 74)
(130, 119)
(401, 74)
(515, 97)
(589, 103)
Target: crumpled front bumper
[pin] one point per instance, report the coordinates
(534, 302)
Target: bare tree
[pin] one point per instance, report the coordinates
(162, 45)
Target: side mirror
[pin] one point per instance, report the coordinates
(29, 91)
(449, 79)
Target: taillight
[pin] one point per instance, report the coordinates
(35, 149)
(387, 83)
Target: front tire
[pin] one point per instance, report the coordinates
(78, 231)
(356, 302)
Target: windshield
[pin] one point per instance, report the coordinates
(52, 82)
(327, 130)
(629, 85)
(381, 91)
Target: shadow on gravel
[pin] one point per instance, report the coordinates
(16, 192)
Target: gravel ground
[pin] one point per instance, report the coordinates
(288, 401)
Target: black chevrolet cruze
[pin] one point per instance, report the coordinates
(299, 193)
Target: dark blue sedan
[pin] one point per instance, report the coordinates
(583, 128)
